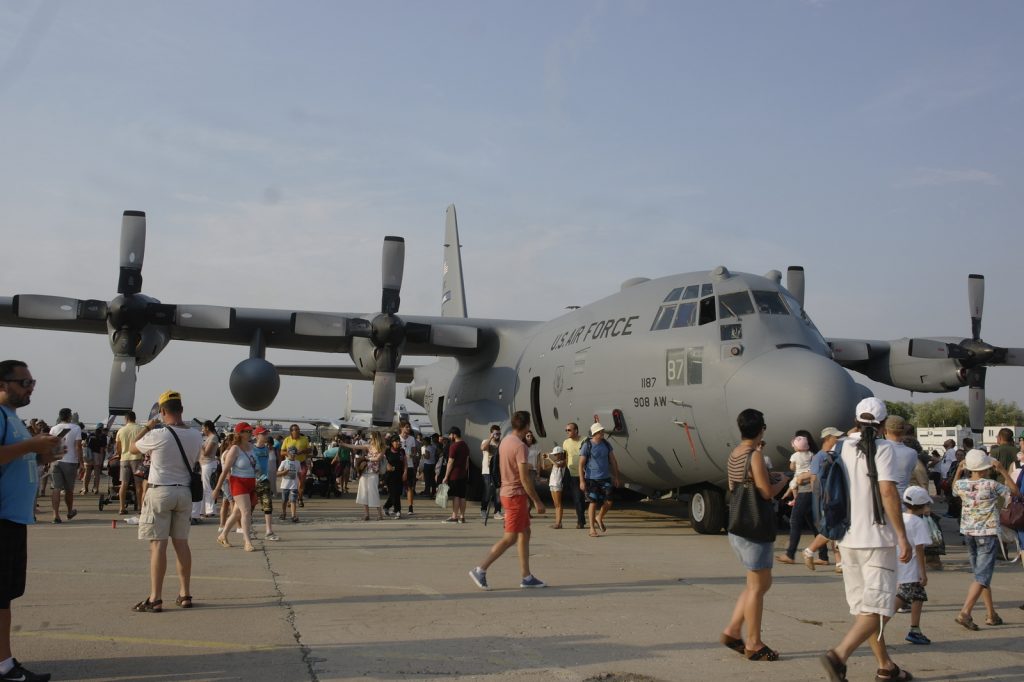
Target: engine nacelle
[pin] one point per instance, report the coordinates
(254, 384)
(150, 342)
(897, 368)
(364, 357)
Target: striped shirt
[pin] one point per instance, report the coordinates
(737, 465)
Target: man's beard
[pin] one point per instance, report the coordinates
(17, 402)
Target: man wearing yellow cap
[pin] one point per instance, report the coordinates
(173, 449)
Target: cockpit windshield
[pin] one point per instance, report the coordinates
(769, 303)
(735, 304)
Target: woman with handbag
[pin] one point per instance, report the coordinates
(751, 534)
(368, 460)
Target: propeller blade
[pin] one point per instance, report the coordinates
(392, 269)
(454, 336)
(133, 251)
(161, 313)
(976, 400)
(204, 316)
(933, 349)
(1015, 357)
(795, 283)
(383, 398)
(320, 324)
(976, 302)
(122, 385)
(39, 307)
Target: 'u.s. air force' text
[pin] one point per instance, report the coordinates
(601, 329)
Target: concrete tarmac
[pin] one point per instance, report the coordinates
(339, 598)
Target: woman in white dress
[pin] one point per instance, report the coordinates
(369, 456)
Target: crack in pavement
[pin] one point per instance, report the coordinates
(307, 658)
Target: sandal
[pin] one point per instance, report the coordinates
(594, 534)
(600, 524)
(557, 526)
(885, 674)
(250, 548)
(765, 653)
(146, 606)
(966, 621)
(184, 602)
(223, 542)
(994, 620)
(732, 643)
(834, 668)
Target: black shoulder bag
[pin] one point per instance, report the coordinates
(195, 483)
(750, 515)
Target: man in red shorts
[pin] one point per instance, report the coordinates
(516, 491)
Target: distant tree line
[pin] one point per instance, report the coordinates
(948, 412)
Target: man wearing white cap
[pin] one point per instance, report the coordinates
(979, 524)
(870, 553)
(599, 472)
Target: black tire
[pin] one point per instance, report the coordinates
(707, 511)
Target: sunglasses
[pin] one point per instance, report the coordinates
(24, 383)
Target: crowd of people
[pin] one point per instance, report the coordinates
(882, 530)
(888, 542)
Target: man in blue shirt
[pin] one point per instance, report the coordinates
(20, 452)
(599, 473)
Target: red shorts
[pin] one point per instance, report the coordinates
(243, 486)
(517, 513)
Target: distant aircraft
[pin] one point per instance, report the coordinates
(665, 364)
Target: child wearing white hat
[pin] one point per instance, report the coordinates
(912, 577)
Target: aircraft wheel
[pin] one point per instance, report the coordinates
(707, 511)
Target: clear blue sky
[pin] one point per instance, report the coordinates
(878, 144)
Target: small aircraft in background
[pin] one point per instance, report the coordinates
(664, 364)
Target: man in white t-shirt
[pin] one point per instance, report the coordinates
(167, 507)
(872, 547)
(64, 472)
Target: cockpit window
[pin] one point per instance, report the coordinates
(673, 295)
(769, 303)
(734, 305)
(706, 290)
(686, 314)
(691, 292)
(663, 320)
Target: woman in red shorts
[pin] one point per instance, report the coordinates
(240, 468)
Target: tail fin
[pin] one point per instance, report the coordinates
(453, 289)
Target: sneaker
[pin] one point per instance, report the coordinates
(411, 512)
(462, 519)
(450, 521)
(917, 638)
(480, 578)
(20, 674)
(387, 513)
(397, 515)
(809, 559)
(72, 514)
(283, 517)
(903, 609)
(499, 516)
(56, 519)
(272, 537)
(531, 582)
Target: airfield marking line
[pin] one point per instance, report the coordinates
(119, 639)
(106, 574)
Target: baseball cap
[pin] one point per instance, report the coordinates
(831, 431)
(242, 426)
(258, 430)
(557, 450)
(873, 407)
(167, 396)
(455, 431)
(917, 496)
(596, 428)
(977, 460)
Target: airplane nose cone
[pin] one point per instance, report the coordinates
(795, 389)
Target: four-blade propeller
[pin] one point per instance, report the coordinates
(974, 355)
(137, 324)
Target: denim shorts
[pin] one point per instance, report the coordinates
(982, 550)
(287, 494)
(755, 556)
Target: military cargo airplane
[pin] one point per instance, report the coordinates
(665, 364)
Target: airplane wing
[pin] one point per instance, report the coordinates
(140, 327)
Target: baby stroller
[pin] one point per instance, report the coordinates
(114, 487)
(320, 479)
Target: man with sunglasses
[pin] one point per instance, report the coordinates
(20, 452)
(572, 445)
